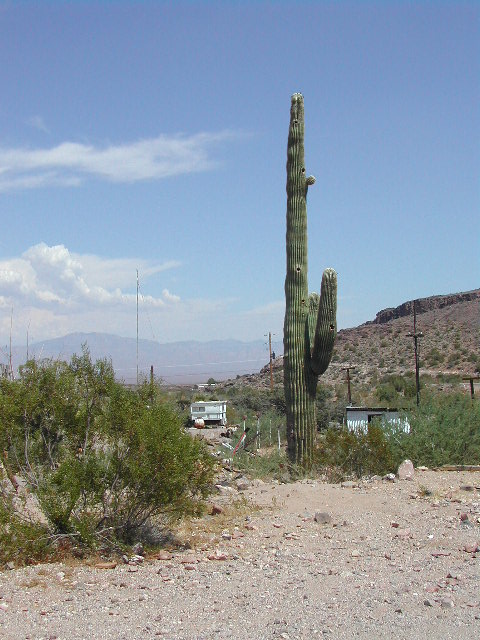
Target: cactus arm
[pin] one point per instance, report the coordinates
(313, 304)
(326, 329)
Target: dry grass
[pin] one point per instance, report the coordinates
(198, 533)
(33, 583)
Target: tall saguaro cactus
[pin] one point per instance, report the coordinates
(310, 320)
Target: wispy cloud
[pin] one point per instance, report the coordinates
(37, 122)
(70, 163)
(271, 309)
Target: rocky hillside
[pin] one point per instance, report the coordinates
(425, 304)
(450, 344)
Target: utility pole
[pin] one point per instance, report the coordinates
(415, 337)
(348, 369)
(471, 379)
(270, 352)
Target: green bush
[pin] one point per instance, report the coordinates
(329, 410)
(21, 540)
(435, 357)
(101, 459)
(348, 453)
(445, 429)
(251, 402)
(394, 388)
(274, 465)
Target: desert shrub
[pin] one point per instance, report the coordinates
(355, 453)
(393, 388)
(22, 541)
(273, 465)
(444, 429)
(329, 410)
(435, 357)
(251, 401)
(99, 457)
(154, 466)
(386, 392)
(448, 378)
(453, 360)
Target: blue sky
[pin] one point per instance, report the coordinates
(152, 136)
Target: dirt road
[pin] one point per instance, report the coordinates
(378, 560)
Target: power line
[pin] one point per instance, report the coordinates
(199, 364)
(197, 374)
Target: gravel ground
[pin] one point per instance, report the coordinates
(375, 560)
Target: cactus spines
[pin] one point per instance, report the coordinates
(310, 320)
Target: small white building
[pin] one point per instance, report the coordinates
(358, 418)
(210, 411)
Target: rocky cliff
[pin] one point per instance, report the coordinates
(423, 305)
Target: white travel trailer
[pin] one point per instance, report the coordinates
(210, 411)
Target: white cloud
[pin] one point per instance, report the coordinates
(69, 163)
(54, 291)
(53, 277)
(170, 296)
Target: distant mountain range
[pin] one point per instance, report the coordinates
(175, 363)
(450, 344)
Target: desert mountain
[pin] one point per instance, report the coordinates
(450, 344)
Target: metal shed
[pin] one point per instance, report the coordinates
(358, 418)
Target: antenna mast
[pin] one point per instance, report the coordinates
(10, 373)
(137, 325)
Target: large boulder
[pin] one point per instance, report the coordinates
(406, 470)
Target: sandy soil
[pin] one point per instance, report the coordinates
(280, 561)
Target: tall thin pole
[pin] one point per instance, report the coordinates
(271, 365)
(137, 325)
(10, 356)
